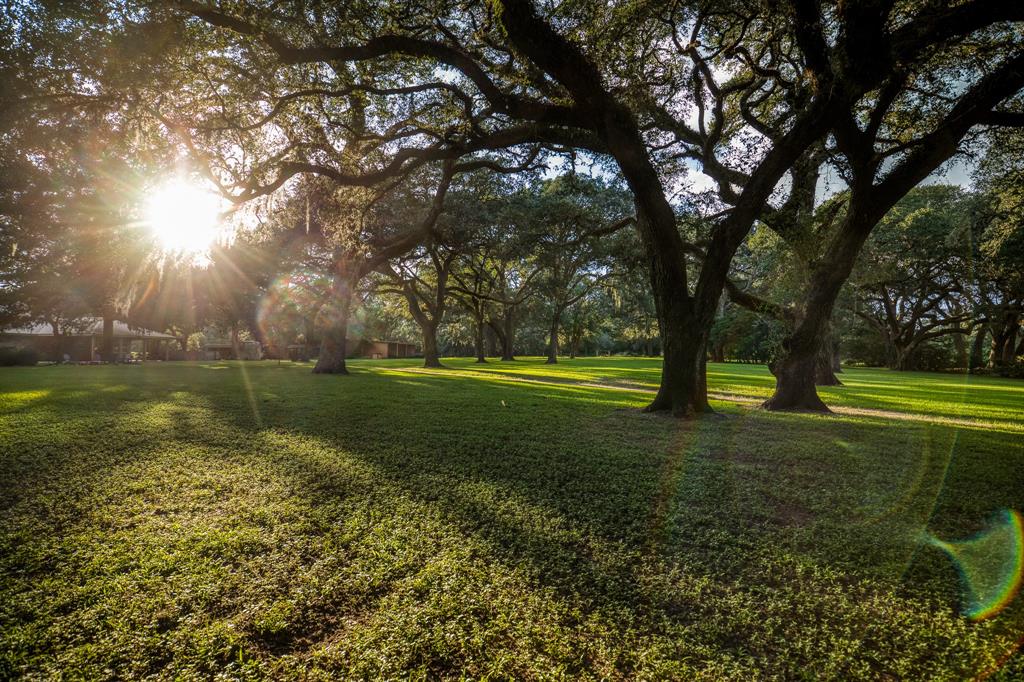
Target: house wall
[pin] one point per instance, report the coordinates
(50, 347)
(247, 350)
(81, 348)
(401, 350)
(361, 348)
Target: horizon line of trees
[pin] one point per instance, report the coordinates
(361, 124)
(514, 268)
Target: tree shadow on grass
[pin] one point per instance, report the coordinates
(614, 515)
(564, 448)
(556, 477)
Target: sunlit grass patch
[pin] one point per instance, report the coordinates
(515, 521)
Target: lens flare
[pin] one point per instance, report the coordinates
(990, 564)
(303, 302)
(290, 301)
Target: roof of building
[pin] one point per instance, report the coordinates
(89, 327)
(218, 344)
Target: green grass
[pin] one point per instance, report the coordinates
(186, 521)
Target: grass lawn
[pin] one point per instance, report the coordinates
(189, 520)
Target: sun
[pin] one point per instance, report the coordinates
(185, 219)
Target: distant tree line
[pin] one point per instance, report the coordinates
(430, 155)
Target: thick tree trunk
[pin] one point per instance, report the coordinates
(823, 372)
(794, 383)
(823, 366)
(1010, 345)
(683, 391)
(333, 348)
(480, 356)
(431, 357)
(333, 343)
(978, 348)
(256, 330)
(428, 328)
(718, 352)
(507, 336)
(107, 345)
(794, 380)
(796, 371)
(553, 338)
(995, 353)
(904, 360)
(890, 351)
(58, 345)
(1004, 339)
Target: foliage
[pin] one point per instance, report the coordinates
(14, 356)
(195, 342)
(745, 336)
(916, 278)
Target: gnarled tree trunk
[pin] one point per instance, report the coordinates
(796, 371)
(431, 357)
(428, 327)
(904, 359)
(794, 382)
(824, 373)
(1010, 345)
(794, 378)
(333, 343)
(683, 390)
(960, 344)
(1004, 328)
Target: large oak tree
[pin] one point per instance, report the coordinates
(366, 94)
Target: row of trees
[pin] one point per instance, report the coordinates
(937, 286)
(499, 249)
(532, 266)
(384, 106)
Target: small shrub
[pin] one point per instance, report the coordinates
(10, 357)
(1014, 370)
(934, 357)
